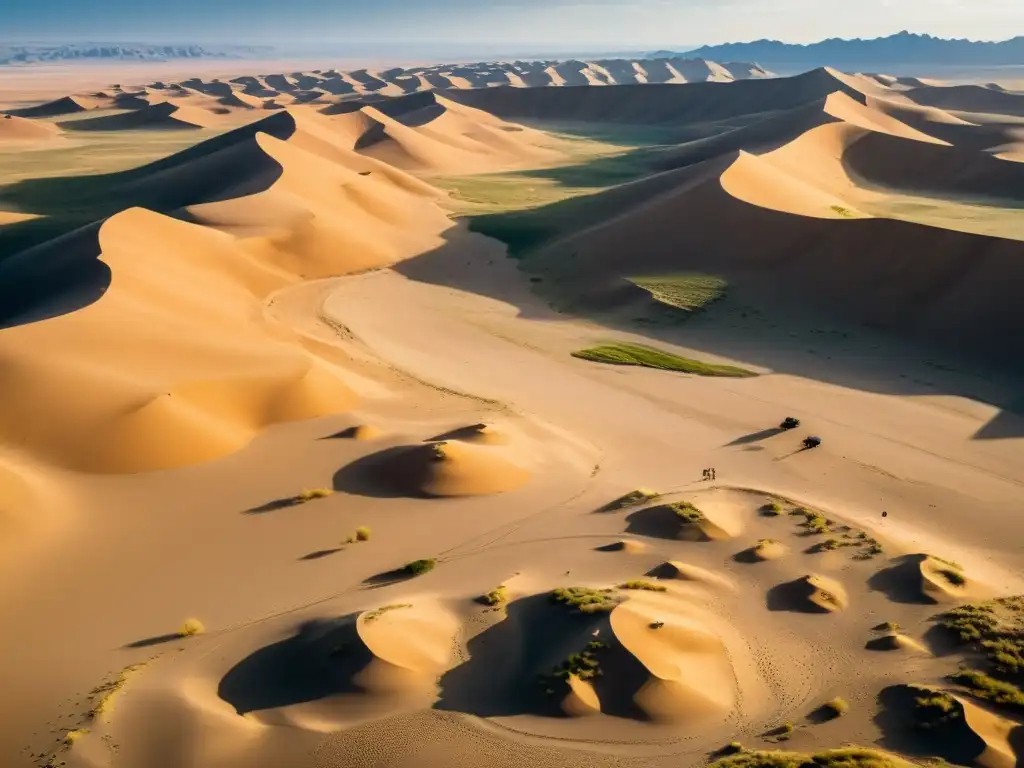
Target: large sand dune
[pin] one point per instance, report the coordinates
(267, 382)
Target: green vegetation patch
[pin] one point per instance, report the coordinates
(814, 522)
(987, 688)
(496, 597)
(935, 709)
(584, 665)
(648, 357)
(848, 757)
(687, 512)
(376, 613)
(771, 509)
(644, 586)
(419, 567)
(995, 629)
(631, 499)
(585, 599)
(689, 292)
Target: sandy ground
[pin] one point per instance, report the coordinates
(283, 389)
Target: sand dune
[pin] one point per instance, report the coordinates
(690, 672)
(658, 103)
(975, 269)
(20, 131)
(162, 115)
(222, 374)
(450, 468)
(968, 98)
(410, 645)
(66, 105)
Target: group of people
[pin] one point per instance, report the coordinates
(709, 474)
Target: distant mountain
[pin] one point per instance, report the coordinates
(904, 48)
(31, 54)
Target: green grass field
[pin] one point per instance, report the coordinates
(648, 357)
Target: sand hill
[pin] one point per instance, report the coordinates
(315, 475)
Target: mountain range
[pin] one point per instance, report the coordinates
(904, 48)
(36, 53)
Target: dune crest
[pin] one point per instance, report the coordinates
(690, 672)
(452, 468)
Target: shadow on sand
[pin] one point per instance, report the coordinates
(318, 661)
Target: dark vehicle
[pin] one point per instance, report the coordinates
(789, 423)
(812, 442)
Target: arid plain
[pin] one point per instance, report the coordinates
(361, 418)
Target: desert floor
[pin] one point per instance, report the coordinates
(289, 361)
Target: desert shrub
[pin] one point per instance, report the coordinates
(837, 707)
(814, 522)
(643, 585)
(848, 757)
(313, 493)
(631, 499)
(376, 613)
(656, 624)
(191, 627)
(72, 736)
(585, 599)
(584, 665)
(419, 567)
(771, 509)
(933, 709)
(989, 689)
(497, 596)
(887, 626)
(362, 533)
(687, 511)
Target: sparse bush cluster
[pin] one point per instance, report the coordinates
(996, 629)
(419, 567)
(632, 499)
(989, 689)
(643, 585)
(496, 597)
(848, 757)
(585, 599)
(687, 511)
(191, 627)
(814, 522)
(376, 613)
(837, 707)
(771, 509)
(934, 709)
(584, 665)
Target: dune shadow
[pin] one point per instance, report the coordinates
(372, 475)
(320, 660)
(149, 642)
(792, 596)
(747, 556)
(462, 433)
(660, 522)
(320, 554)
(901, 581)
(349, 433)
(510, 663)
(1005, 424)
(902, 733)
(273, 506)
(756, 437)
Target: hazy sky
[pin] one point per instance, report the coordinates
(507, 24)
